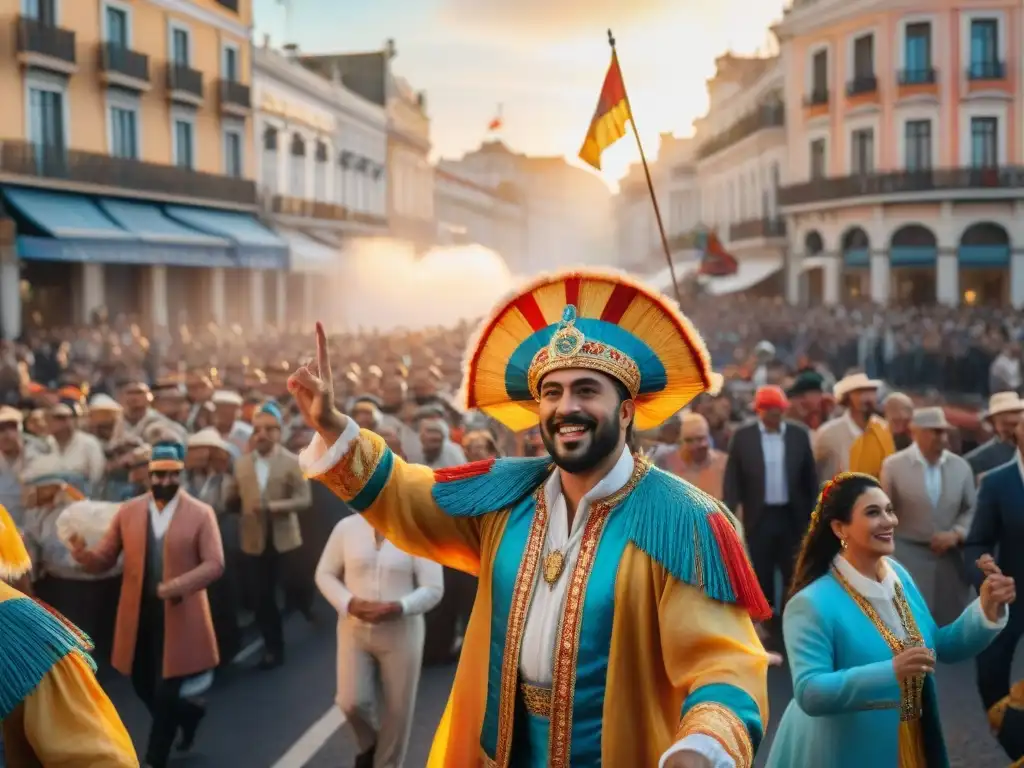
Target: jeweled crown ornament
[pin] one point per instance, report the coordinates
(568, 339)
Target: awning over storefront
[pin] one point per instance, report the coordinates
(180, 245)
(256, 246)
(662, 279)
(62, 226)
(750, 272)
(813, 262)
(309, 256)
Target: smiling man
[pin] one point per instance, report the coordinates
(612, 623)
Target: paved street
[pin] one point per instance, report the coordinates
(257, 718)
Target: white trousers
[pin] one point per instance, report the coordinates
(378, 675)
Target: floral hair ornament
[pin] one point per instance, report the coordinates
(826, 491)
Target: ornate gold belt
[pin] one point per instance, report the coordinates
(537, 699)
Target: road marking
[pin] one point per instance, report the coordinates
(313, 740)
(249, 651)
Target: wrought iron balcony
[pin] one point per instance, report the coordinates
(73, 168)
(46, 46)
(124, 67)
(918, 76)
(862, 84)
(754, 228)
(185, 84)
(816, 98)
(987, 70)
(767, 116)
(939, 183)
(235, 98)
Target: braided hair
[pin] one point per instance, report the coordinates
(820, 544)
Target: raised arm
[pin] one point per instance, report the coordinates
(395, 497)
(104, 555)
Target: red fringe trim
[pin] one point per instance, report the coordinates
(741, 572)
(83, 639)
(463, 471)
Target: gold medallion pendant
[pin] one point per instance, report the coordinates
(554, 562)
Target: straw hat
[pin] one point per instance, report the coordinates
(930, 418)
(208, 438)
(1003, 402)
(855, 382)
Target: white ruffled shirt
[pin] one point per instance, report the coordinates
(536, 657)
(881, 593)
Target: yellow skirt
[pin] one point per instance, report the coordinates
(911, 745)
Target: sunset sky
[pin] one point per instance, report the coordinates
(544, 60)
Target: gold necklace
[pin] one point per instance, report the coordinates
(554, 563)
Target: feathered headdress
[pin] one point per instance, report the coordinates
(598, 320)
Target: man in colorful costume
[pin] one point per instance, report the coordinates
(52, 710)
(612, 622)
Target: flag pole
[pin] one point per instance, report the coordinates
(650, 185)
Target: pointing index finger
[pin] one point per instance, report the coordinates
(323, 358)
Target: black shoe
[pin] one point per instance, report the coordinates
(270, 661)
(365, 760)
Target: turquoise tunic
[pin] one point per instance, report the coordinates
(845, 708)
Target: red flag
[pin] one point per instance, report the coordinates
(716, 261)
(494, 125)
(609, 122)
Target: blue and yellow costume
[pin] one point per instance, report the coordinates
(52, 709)
(655, 641)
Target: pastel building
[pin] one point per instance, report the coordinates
(904, 148)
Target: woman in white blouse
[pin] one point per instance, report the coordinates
(381, 594)
(862, 644)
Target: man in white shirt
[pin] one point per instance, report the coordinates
(380, 594)
(613, 619)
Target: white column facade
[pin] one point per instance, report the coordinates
(10, 293)
(257, 313)
(947, 279)
(281, 284)
(158, 296)
(309, 309)
(831, 274)
(94, 294)
(217, 309)
(794, 276)
(880, 278)
(1017, 279)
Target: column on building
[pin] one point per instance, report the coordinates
(256, 299)
(947, 277)
(831, 276)
(158, 295)
(10, 293)
(281, 286)
(1017, 278)
(217, 308)
(309, 293)
(93, 291)
(794, 276)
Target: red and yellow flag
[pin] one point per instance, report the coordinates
(610, 117)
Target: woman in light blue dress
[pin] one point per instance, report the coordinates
(862, 645)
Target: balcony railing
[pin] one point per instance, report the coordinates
(767, 116)
(183, 79)
(20, 158)
(903, 183)
(235, 94)
(754, 228)
(862, 84)
(46, 40)
(986, 70)
(918, 76)
(118, 59)
(816, 98)
(309, 209)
